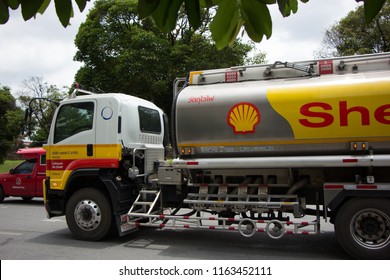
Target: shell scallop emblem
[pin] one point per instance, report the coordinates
(243, 118)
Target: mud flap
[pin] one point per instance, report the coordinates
(123, 226)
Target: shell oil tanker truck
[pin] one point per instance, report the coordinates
(266, 148)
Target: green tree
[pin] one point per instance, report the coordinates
(36, 96)
(122, 53)
(256, 56)
(231, 15)
(352, 36)
(11, 119)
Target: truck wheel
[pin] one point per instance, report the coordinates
(362, 228)
(88, 214)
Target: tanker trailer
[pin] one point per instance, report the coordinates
(304, 116)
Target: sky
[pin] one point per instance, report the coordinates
(41, 47)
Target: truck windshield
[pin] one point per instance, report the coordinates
(72, 119)
(25, 167)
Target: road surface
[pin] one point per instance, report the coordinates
(26, 233)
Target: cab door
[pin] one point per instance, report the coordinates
(21, 179)
(72, 141)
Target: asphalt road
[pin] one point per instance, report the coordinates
(26, 234)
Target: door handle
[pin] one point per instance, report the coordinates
(89, 150)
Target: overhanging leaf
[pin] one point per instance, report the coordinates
(268, 2)
(209, 3)
(30, 8)
(147, 7)
(235, 30)
(287, 6)
(13, 4)
(257, 19)
(293, 5)
(4, 13)
(44, 6)
(165, 15)
(226, 23)
(193, 12)
(64, 11)
(81, 4)
(372, 8)
(282, 7)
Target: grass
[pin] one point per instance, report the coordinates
(8, 164)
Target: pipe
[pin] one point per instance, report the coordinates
(298, 185)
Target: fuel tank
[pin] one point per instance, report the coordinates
(322, 115)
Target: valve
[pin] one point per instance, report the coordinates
(247, 228)
(275, 229)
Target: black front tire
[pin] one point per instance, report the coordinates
(89, 215)
(362, 228)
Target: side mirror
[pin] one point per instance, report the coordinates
(27, 119)
(12, 171)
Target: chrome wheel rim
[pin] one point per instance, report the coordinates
(371, 228)
(87, 215)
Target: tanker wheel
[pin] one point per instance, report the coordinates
(89, 215)
(362, 228)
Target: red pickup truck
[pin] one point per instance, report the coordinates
(25, 180)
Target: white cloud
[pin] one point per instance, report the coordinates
(298, 36)
(40, 47)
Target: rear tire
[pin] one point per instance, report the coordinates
(362, 228)
(89, 215)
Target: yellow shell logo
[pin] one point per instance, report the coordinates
(243, 117)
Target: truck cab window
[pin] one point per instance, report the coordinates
(43, 159)
(73, 119)
(149, 120)
(25, 167)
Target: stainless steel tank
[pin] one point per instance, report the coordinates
(326, 115)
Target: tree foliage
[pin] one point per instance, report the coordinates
(352, 36)
(122, 53)
(35, 96)
(252, 15)
(30, 8)
(11, 118)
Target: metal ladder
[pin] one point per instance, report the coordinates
(144, 204)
